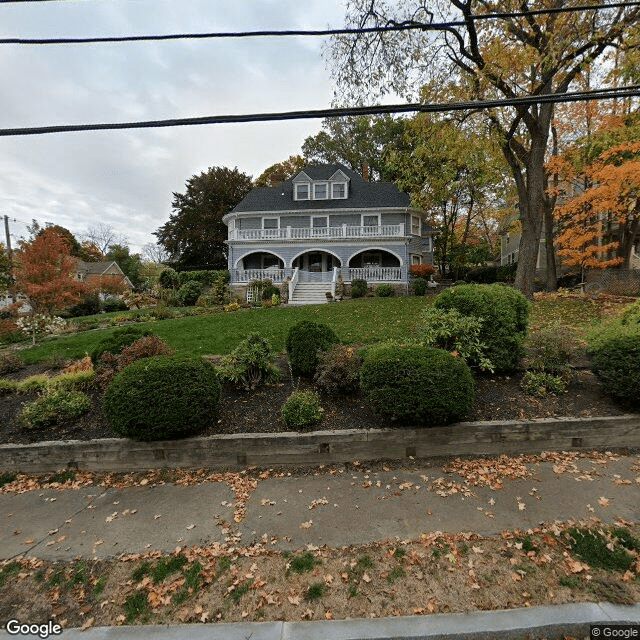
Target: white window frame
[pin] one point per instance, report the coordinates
(428, 246)
(296, 195)
(369, 215)
(335, 184)
(413, 218)
(320, 184)
(416, 259)
(277, 219)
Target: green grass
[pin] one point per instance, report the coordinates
(191, 584)
(99, 586)
(136, 605)
(395, 574)
(7, 478)
(365, 320)
(591, 547)
(302, 563)
(11, 569)
(80, 575)
(316, 591)
(165, 567)
(62, 476)
(243, 589)
(570, 581)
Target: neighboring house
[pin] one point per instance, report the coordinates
(93, 273)
(324, 223)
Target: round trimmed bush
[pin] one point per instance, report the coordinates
(384, 290)
(161, 398)
(301, 409)
(303, 342)
(117, 341)
(417, 385)
(419, 286)
(189, 292)
(504, 312)
(617, 363)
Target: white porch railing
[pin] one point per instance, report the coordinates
(247, 275)
(293, 282)
(315, 276)
(376, 274)
(336, 273)
(313, 233)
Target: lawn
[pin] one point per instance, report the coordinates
(366, 320)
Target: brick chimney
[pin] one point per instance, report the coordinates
(365, 171)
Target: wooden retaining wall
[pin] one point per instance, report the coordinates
(323, 447)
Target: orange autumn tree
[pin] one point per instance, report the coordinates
(600, 220)
(44, 274)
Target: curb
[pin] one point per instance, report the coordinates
(548, 622)
(509, 437)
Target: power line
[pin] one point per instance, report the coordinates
(390, 27)
(597, 94)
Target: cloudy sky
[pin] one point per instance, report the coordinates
(125, 178)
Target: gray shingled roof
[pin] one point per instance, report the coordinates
(362, 194)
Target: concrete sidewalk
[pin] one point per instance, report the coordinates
(343, 508)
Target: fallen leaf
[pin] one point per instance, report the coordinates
(87, 624)
(191, 526)
(306, 525)
(603, 502)
(328, 615)
(294, 600)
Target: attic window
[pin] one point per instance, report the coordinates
(302, 191)
(339, 190)
(320, 191)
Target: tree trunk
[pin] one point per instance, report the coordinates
(552, 276)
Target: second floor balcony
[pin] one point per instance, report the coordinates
(315, 233)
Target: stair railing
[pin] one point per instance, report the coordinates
(334, 279)
(293, 283)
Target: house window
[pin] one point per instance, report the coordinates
(415, 225)
(269, 261)
(427, 244)
(318, 222)
(371, 259)
(302, 191)
(270, 223)
(320, 191)
(371, 220)
(416, 259)
(339, 190)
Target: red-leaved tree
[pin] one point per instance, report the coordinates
(45, 275)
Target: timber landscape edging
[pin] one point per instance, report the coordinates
(323, 447)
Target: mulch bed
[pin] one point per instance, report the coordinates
(497, 398)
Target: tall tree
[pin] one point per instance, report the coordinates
(44, 274)
(277, 173)
(356, 142)
(103, 236)
(194, 235)
(155, 253)
(502, 57)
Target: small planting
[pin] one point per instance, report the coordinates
(74, 381)
(166, 567)
(302, 563)
(399, 553)
(136, 605)
(316, 591)
(570, 582)
(99, 586)
(303, 342)
(250, 364)
(419, 286)
(191, 586)
(542, 384)
(7, 478)
(301, 410)
(338, 372)
(33, 383)
(189, 292)
(8, 386)
(141, 571)
(190, 392)
(617, 363)
(10, 569)
(68, 475)
(416, 384)
(117, 341)
(54, 407)
(79, 575)
(598, 550)
(10, 363)
(395, 574)
(241, 590)
(626, 539)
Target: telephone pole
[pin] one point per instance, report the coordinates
(9, 257)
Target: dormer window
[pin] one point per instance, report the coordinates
(302, 191)
(320, 191)
(338, 190)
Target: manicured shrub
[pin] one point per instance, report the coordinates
(73, 381)
(483, 275)
(145, 347)
(617, 363)
(189, 292)
(384, 290)
(338, 372)
(631, 315)
(53, 407)
(301, 409)
(504, 312)
(38, 382)
(422, 270)
(117, 341)
(10, 363)
(303, 342)
(417, 385)
(168, 279)
(250, 363)
(113, 304)
(161, 313)
(358, 288)
(549, 350)
(419, 285)
(206, 277)
(162, 398)
(452, 331)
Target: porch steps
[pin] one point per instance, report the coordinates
(310, 293)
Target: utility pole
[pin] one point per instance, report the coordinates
(9, 256)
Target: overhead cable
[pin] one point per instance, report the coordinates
(597, 94)
(272, 33)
